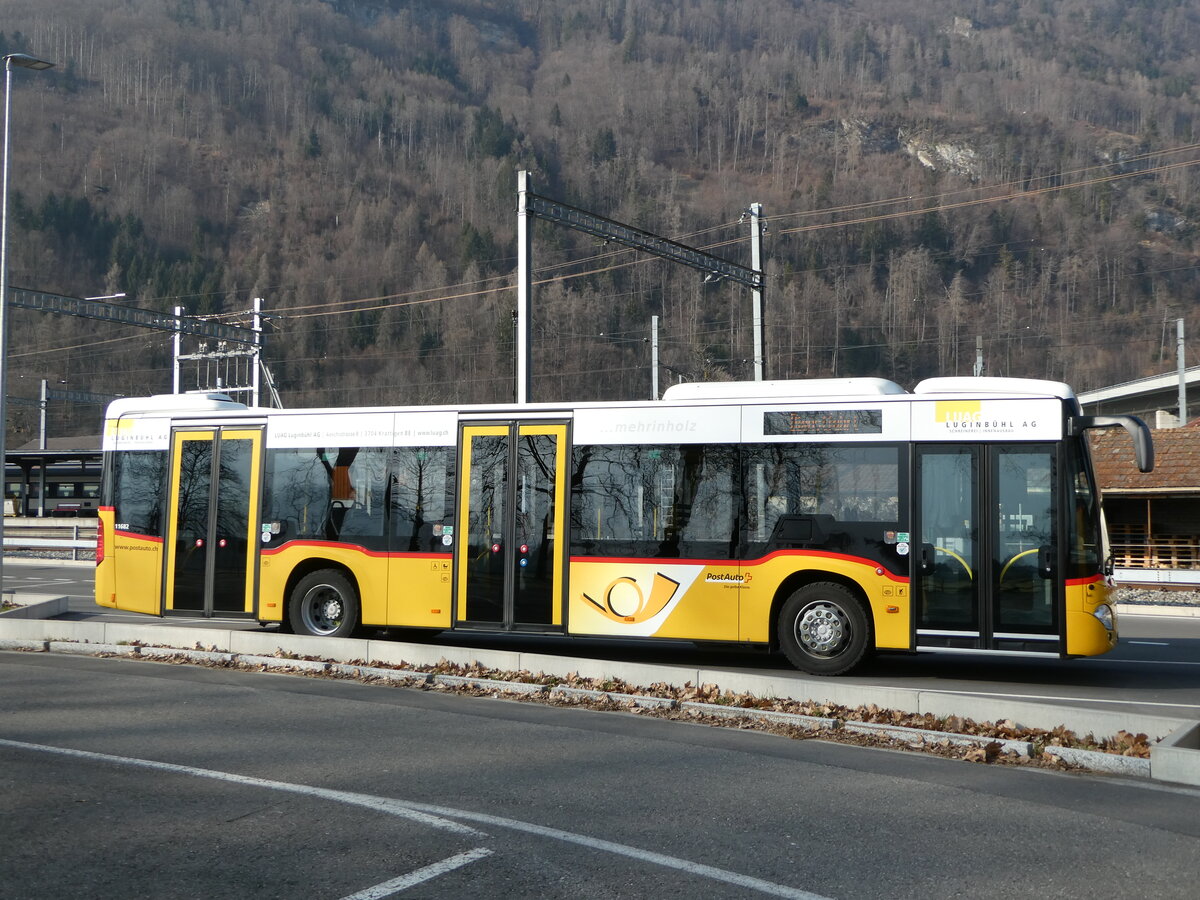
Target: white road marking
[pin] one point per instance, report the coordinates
(403, 882)
(1150, 643)
(658, 859)
(437, 817)
(1152, 662)
(380, 804)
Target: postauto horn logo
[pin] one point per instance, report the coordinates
(624, 600)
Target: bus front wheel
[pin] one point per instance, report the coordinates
(324, 603)
(823, 629)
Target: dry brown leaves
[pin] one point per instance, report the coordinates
(1123, 743)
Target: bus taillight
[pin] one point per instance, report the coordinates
(100, 543)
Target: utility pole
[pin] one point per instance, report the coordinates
(1181, 365)
(43, 403)
(978, 370)
(255, 383)
(654, 357)
(178, 343)
(524, 288)
(757, 292)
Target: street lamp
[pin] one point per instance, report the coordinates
(23, 61)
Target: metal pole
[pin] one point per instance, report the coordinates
(756, 293)
(43, 403)
(25, 61)
(524, 288)
(254, 382)
(177, 343)
(978, 370)
(1181, 364)
(654, 357)
(42, 408)
(4, 309)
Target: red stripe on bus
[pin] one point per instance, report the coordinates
(807, 554)
(653, 561)
(137, 537)
(825, 554)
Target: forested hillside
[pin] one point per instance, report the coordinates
(1019, 170)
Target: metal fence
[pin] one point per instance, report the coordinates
(61, 538)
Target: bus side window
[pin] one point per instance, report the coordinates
(329, 493)
(139, 483)
(356, 487)
(420, 498)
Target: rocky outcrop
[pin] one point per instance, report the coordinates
(942, 156)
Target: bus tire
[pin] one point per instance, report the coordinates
(824, 629)
(324, 604)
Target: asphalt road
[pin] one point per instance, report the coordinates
(1154, 670)
(122, 778)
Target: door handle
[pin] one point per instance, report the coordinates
(1045, 562)
(925, 559)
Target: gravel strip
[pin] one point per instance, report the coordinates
(1152, 597)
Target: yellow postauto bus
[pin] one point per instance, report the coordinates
(827, 519)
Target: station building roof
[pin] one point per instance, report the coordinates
(1176, 461)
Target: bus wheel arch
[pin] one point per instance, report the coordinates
(323, 600)
(822, 623)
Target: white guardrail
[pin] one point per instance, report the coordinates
(1180, 578)
(74, 536)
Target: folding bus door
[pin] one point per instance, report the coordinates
(509, 545)
(213, 527)
(986, 575)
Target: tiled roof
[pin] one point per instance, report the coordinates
(1176, 461)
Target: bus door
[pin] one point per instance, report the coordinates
(510, 545)
(986, 574)
(213, 526)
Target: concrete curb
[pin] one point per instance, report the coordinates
(1175, 759)
(368, 672)
(282, 664)
(488, 684)
(35, 606)
(1020, 748)
(18, 644)
(1108, 762)
(562, 692)
(192, 655)
(797, 720)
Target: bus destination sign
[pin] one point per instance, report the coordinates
(823, 421)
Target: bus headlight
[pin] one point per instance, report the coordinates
(1104, 613)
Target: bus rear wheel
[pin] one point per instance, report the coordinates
(325, 604)
(823, 629)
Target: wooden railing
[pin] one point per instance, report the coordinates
(1135, 548)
